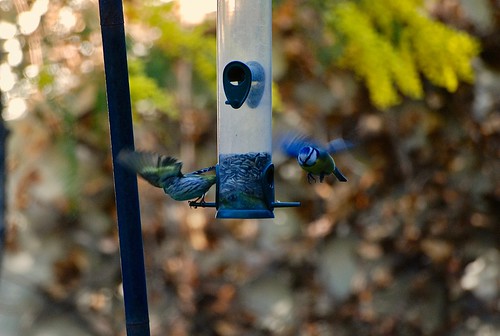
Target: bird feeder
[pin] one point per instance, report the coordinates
(245, 173)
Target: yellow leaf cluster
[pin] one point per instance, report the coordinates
(390, 43)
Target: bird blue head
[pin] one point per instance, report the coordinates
(307, 156)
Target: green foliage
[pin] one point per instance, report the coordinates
(389, 43)
(196, 45)
(146, 94)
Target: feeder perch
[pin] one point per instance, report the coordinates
(245, 172)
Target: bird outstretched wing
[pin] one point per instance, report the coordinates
(339, 145)
(291, 143)
(153, 167)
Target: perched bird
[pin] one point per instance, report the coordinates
(313, 157)
(165, 172)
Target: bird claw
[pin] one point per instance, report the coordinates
(194, 204)
(310, 178)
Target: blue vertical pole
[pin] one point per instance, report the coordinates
(127, 199)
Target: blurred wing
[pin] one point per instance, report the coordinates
(339, 145)
(153, 167)
(292, 143)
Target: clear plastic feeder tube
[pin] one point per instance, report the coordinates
(244, 37)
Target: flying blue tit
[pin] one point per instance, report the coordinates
(165, 172)
(313, 157)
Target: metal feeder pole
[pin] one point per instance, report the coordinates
(126, 193)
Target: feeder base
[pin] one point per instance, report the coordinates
(231, 213)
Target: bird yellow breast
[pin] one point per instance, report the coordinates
(325, 165)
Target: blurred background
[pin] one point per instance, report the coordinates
(409, 246)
